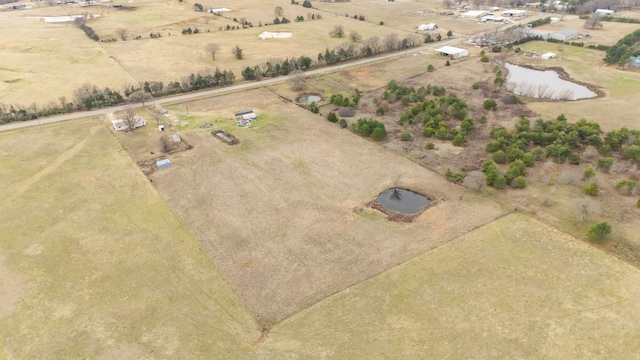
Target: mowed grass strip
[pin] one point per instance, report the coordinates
(514, 288)
(283, 214)
(93, 262)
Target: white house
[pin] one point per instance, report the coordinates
(121, 125)
(515, 13)
(474, 14)
(453, 52)
(427, 27)
(547, 56)
(605, 12)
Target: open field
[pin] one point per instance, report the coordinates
(94, 264)
(284, 215)
(44, 61)
(514, 288)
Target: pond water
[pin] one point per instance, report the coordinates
(403, 201)
(544, 84)
(309, 98)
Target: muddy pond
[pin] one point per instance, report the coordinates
(309, 98)
(545, 84)
(403, 201)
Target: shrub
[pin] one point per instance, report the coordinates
(500, 157)
(381, 22)
(332, 117)
(380, 111)
(379, 133)
(484, 59)
(314, 108)
(574, 159)
(500, 182)
(632, 152)
(588, 173)
(520, 182)
(447, 63)
(605, 163)
(483, 120)
(454, 176)
(538, 153)
(405, 136)
(599, 231)
(458, 140)
(626, 186)
(490, 104)
(591, 189)
(475, 86)
(638, 203)
(343, 123)
(430, 68)
(431, 146)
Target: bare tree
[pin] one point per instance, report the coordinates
(212, 49)
(129, 117)
(338, 31)
(122, 33)
(391, 42)
(584, 208)
(373, 43)
(593, 22)
(297, 80)
(474, 180)
(278, 11)
(413, 40)
(354, 36)
(237, 52)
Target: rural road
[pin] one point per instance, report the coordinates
(239, 87)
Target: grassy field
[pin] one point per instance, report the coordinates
(93, 262)
(514, 288)
(284, 214)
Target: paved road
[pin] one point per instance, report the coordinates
(239, 87)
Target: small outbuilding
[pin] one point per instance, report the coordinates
(565, 34)
(515, 13)
(605, 12)
(163, 164)
(427, 27)
(491, 18)
(634, 61)
(547, 56)
(453, 52)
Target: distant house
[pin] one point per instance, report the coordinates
(427, 27)
(565, 34)
(452, 52)
(474, 14)
(515, 13)
(604, 12)
(244, 115)
(121, 125)
(547, 56)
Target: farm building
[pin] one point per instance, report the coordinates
(163, 164)
(244, 115)
(565, 34)
(427, 27)
(515, 13)
(604, 12)
(474, 14)
(121, 125)
(528, 32)
(491, 18)
(453, 52)
(634, 61)
(547, 56)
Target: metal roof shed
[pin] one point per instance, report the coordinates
(453, 52)
(163, 164)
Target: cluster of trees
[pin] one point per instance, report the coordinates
(284, 20)
(276, 67)
(189, 31)
(367, 48)
(343, 100)
(81, 23)
(540, 22)
(369, 128)
(623, 49)
(332, 117)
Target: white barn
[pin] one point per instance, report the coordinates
(121, 125)
(453, 52)
(605, 12)
(515, 13)
(474, 14)
(427, 27)
(565, 34)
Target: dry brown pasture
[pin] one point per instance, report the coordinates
(283, 214)
(44, 61)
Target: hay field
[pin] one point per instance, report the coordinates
(94, 264)
(514, 288)
(283, 214)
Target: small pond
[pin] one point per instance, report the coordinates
(309, 98)
(544, 84)
(403, 201)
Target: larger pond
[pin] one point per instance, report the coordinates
(545, 84)
(403, 201)
(309, 98)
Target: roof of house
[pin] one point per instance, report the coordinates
(450, 50)
(567, 32)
